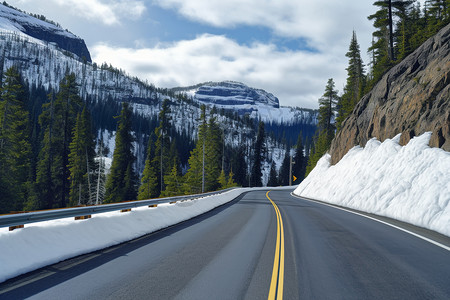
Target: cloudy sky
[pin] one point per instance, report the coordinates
(287, 47)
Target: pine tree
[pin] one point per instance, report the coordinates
(383, 48)
(354, 87)
(283, 177)
(239, 166)
(258, 157)
(195, 176)
(404, 28)
(149, 180)
(327, 109)
(326, 128)
(320, 148)
(381, 44)
(15, 147)
(161, 159)
(81, 161)
(231, 183)
(213, 155)
(273, 176)
(173, 182)
(438, 15)
(121, 182)
(222, 180)
(57, 119)
(299, 167)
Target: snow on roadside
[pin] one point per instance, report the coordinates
(44, 243)
(409, 183)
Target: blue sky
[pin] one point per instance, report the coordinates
(287, 47)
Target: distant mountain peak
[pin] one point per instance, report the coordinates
(12, 19)
(231, 95)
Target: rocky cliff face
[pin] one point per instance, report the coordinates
(14, 20)
(412, 98)
(231, 93)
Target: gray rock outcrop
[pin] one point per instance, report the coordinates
(411, 98)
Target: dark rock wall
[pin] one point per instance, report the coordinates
(74, 45)
(412, 98)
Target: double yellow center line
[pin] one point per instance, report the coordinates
(276, 284)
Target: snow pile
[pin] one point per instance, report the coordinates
(409, 183)
(44, 243)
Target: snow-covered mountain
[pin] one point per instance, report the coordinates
(44, 64)
(257, 103)
(49, 32)
(232, 93)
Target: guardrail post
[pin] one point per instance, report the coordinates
(83, 217)
(11, 228)
(153, 205)
(126, 210)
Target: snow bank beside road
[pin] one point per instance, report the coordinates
(44, 243)
(409, 183)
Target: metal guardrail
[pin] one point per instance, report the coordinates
(47, 215)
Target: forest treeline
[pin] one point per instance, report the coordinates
(400, 28)
(51, 156)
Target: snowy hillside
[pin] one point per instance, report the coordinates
(14, 20)
(231, 93)
(409, 183)
(44, 64)
(243, 99)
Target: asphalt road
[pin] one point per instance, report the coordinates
(252, 248)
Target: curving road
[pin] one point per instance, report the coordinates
(261, 245)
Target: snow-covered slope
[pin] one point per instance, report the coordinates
(243, 99)
(409, 183)
(44, 64)
(231, 93)
(14, 20)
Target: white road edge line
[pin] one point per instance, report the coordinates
(380, 221)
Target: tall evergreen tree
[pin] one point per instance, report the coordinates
(222, 180)
(239, 166)
(380, 48)
(258, 157)
(438, 14)
(283, 177)
(213, 155)
(57, 119)
(231, 182)
(195, 176)
(354, 87)
(81, 162)
(327, 109)
(404, 28)
(15, 147)
(321, 146)
(299, 167)
(173, 182)
(149, 181)
(383, 47)
(273, 176)
(161, 159)
(121, 182)
(326, 127)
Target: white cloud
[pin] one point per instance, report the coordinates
(293, 76)
(106, 12)
(321, 22)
